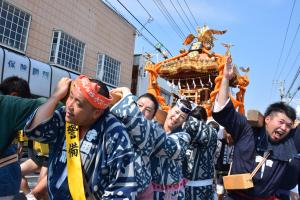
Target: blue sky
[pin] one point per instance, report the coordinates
(257, 29)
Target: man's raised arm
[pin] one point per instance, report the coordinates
(46, 110)
(224, 88)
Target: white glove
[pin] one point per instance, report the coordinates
(30, 196)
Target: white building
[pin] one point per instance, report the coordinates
(45, 40)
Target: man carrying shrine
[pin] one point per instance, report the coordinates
(92, 154)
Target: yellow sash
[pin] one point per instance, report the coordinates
(75, 180)
(41, 149)
(21, 136)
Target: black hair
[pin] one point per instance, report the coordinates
(199, 113)
(15, 84)
(153, 99)
(187, 103)
(281, 107)
(214, 125)
(103, 88)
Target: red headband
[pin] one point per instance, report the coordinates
(90, 92)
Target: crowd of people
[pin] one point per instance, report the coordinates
(107, 145)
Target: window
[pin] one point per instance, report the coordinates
(67, 51)
(108, 70)
(14, 27)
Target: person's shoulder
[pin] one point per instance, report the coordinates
(111, 122)
(42, 99)
(295, 133)
(157, 124)
(109, 117)
(3, 98)
(180, 133)
(7, 97)
(14, 99)
(113, 129)
(258, 130)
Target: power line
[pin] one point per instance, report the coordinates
(191, 12)
(290, 49)
(170, 16)
(281, 52)
(145, 38)
(115, 9)
(144, 27)
(293, 82)
(180, 16)
(149, 20)
(294, 63)
(283, 45)
(150, 16)
(294, 94)
(185, 14)
(289, 52)
(139, 33)
(169, 19)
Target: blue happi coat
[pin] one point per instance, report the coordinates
(199, 163)
(106, 155)
(149, 138)
(250, 145)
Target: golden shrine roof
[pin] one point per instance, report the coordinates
(190, 67)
